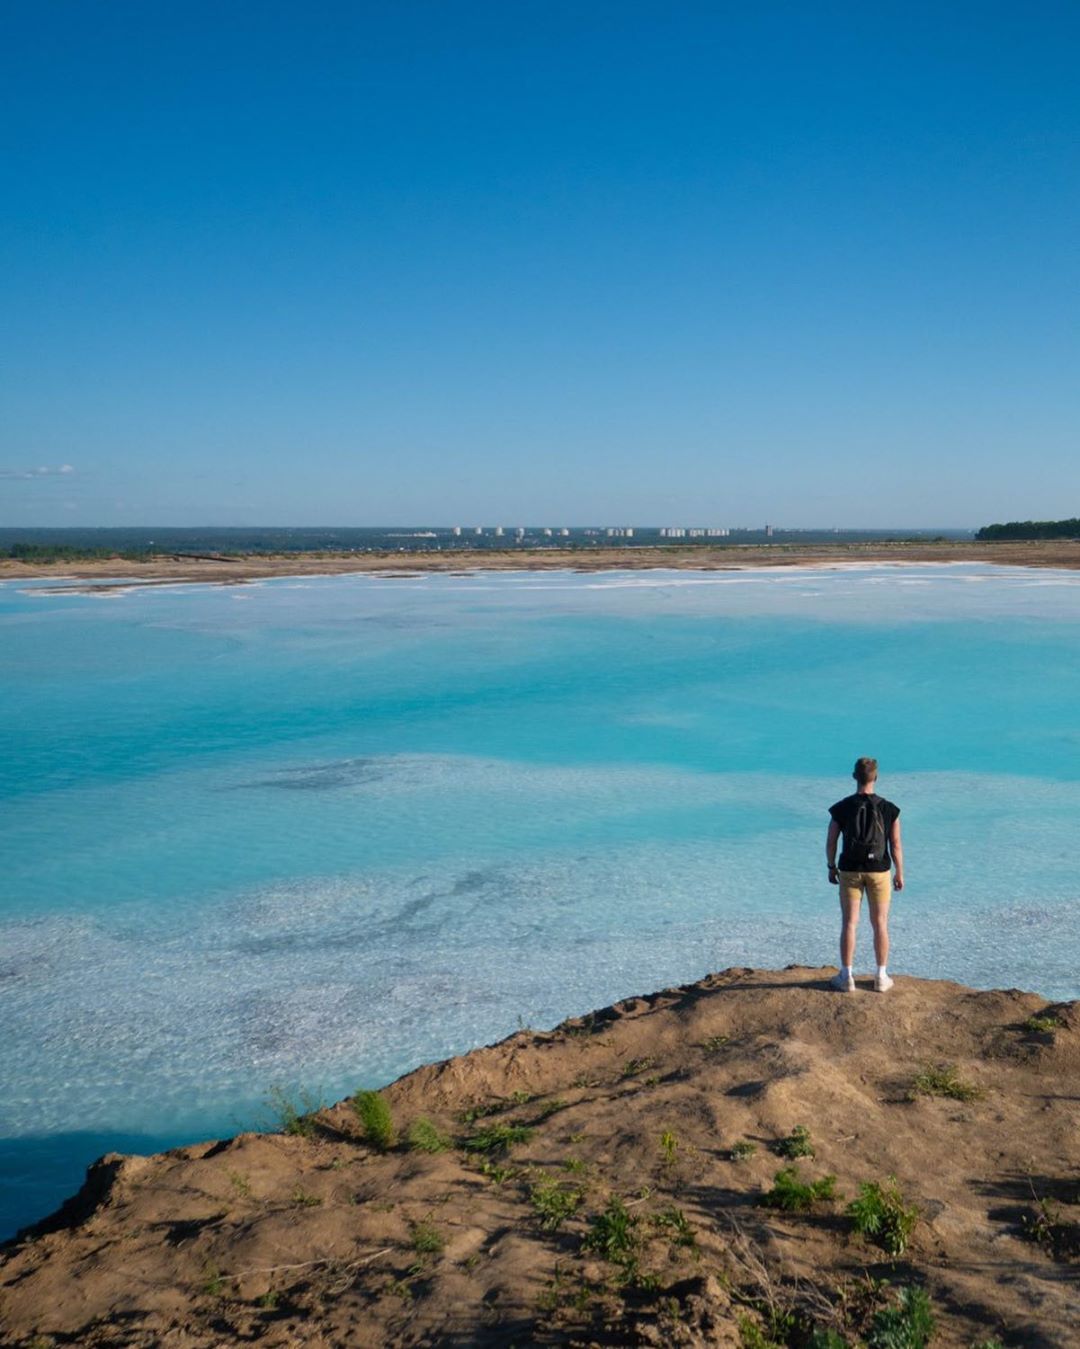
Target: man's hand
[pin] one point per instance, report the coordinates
(834, 876)
(898, 883)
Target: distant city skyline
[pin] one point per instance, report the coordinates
(632, 263)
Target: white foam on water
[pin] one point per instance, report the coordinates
(175, 1016)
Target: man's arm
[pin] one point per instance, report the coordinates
(896, 847)
(832, 838)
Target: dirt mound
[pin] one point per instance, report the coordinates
(615, 1182)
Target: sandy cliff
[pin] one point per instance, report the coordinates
(629, 1209)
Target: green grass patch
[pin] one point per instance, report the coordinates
(669, 1147)
(673, 1221)
(797, 1144)
(497, 1138)
(549, 1108)
(374, 1115)
(907, 1324)
(944, 1080)
(1042, 1025)
(635, 1067)
(794, 1195)
(614, 1234)
(305, 1199)
(742, 1151)
(424, 1137)
(426, 1238)
(880, 1213)
(554, 1202)
(292, 1114)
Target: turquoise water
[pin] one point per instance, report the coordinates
(315, 831)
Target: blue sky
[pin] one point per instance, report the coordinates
(539, 262)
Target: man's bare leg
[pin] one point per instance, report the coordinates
(879, 921)
(849, 907)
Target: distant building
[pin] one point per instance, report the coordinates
(768, 531)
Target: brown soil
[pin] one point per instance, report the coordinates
(321, 1240)
(232, 570)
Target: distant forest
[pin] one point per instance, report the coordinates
(1031, 529)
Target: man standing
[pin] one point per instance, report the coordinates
(870, 826)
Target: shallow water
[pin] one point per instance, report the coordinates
(316, 831)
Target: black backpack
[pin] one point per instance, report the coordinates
(866, 843)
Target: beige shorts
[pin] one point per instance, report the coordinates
(876, 884)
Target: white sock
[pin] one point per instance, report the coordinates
(882, 972)
(845, 970)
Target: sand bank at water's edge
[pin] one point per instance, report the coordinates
(231, 570)
(322, 1240)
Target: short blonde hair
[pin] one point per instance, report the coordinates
(865, 771)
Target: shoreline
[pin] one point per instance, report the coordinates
(108, 574)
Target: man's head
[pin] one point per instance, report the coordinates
(865, 771)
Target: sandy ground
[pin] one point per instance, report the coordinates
(233, 570)
(319, 1238)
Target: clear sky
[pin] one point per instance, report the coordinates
(541, 262)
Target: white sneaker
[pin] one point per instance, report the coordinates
(882, 983)
(843, 983)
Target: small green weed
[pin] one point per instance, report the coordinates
(794, 1195)
(669, 1146)
(374, 1115)
(775, 1334)
(1059, 1236)
(943, 1080)
(498, 1175)
(653, 1080)
(426, 1238)
(292, 1115)
(400, 1288)
(239, 1184)
(714, 1042)
(635, 1067)
(214, 1281)
(550, 1108)
(880, 1212)
(822, 1337)
(424, 1137)
(797, 1144)
(497, 1138)
(554, 1203)
(674, 1221)
(908, 1324)
(304, 1199)
(268, 1301)
(613, 1233)
(1042, 1025)
(576, 1165)
(742, 1150)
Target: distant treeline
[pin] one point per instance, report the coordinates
(1031, 529)
(68, 552)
